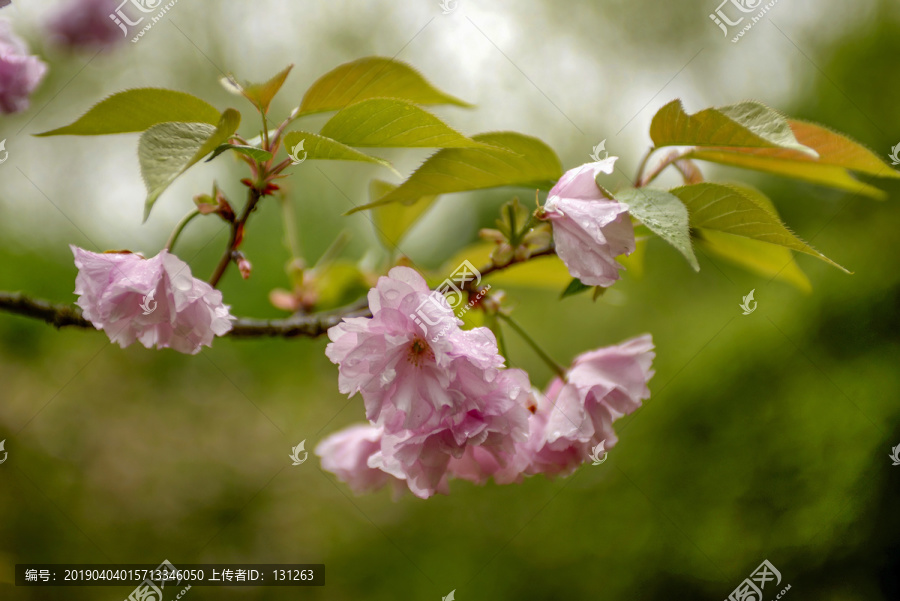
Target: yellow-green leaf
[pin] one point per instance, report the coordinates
(509, 159)
(745, 125)
(260, 94)
(730, 210)
(394, 220)
(371, 77)
(167, 150)
(338, 284)
(838, 155)
(138, 110)
(305, 145)
(387, 122)
(767, 260)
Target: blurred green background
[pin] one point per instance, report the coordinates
(767, 436)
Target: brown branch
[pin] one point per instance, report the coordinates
(309, 325)
(235, 237)
(312, 325)
(492, 268)
(58, 316)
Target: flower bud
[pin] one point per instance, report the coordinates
(502, 255)
(243, 264)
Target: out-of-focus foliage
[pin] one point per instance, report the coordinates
(766, 437)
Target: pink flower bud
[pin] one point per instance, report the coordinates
(244, 266)
(589, 229)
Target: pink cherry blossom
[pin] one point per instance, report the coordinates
(492, 419)
(573, 417)
(434, 389)
(85, 24)
(155, 301)
(589, 229)
(346, 454)
(20, 73)
(487, 427)
(570, 418)
(398, 361)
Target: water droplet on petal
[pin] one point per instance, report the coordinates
(183, 283)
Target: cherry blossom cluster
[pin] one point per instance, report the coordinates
(440, 401)
(447, 408)
(442, 407)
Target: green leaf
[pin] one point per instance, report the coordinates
(634, 263)
(167, 150)
(372, 77)
(513, 160)
(767, 260)
(391, 122)
(745, 125)
(315, 146)
(574, 287)
(838, 156)
(251, 151)
(664, 215)
(394, 220)
(138, 110)
(339, 283)
(730, 210)
(260, 94)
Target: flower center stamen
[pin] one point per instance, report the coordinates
(419, 351)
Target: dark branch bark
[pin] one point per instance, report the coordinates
(56, 315)
(310, 325)
(313, 325)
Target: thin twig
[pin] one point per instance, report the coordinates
(489, 269)
(253, 197)
(669, 160)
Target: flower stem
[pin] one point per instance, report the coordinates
(290, 227)
(265, 131)
(642, 166)
(669, 160)
(178, 228)
(334, 249)
(556, 367)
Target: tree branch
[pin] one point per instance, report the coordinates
(487, 270)
(312, 325)
(58, 316)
